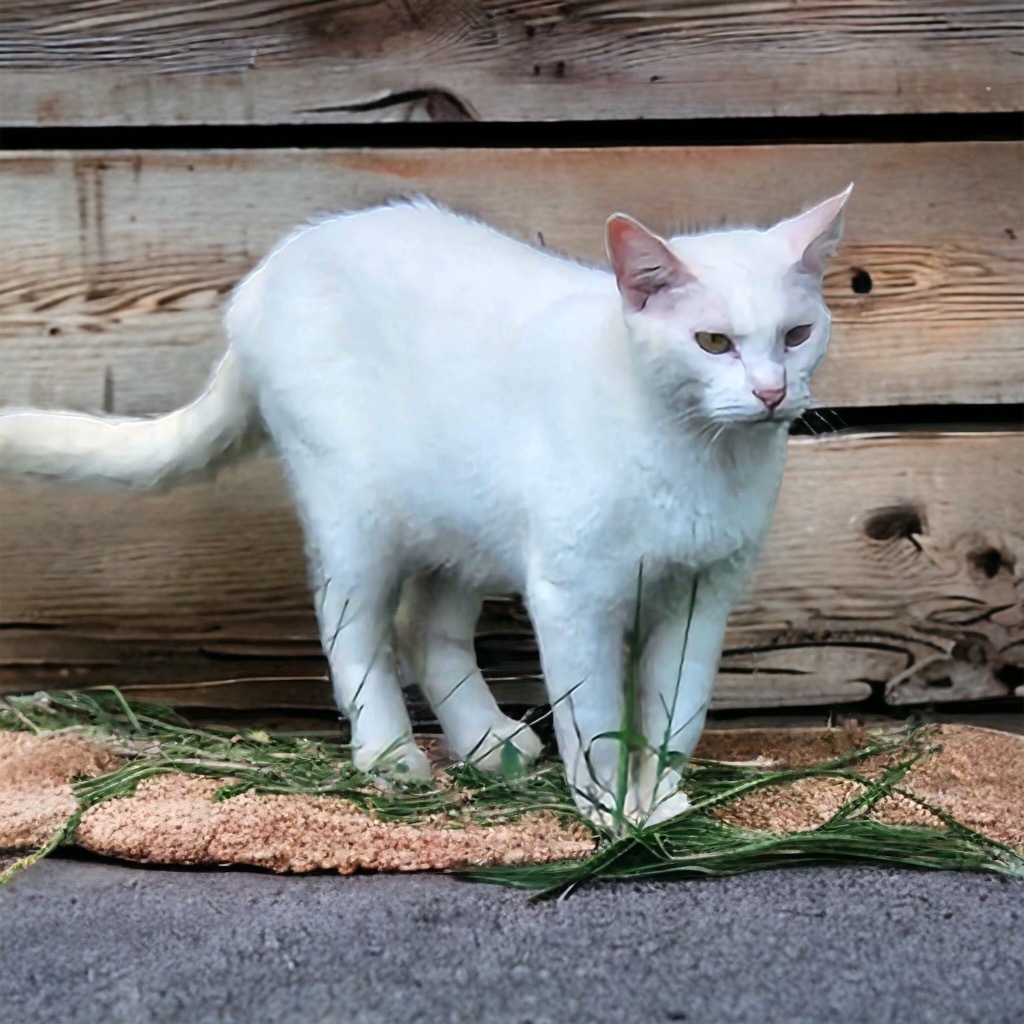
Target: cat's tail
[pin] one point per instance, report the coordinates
(137, 452)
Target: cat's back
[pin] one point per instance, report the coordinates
(401, 305)
(407, 255)
(408, 321)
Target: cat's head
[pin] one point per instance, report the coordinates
(730, 325)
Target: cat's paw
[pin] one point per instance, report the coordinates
(400, 762)
(507, 748)
(642, 805)
(606, 821)
(648, 804)
(631, 819)
(668, 808)
(600, 806)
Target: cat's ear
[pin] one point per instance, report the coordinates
(812, 237)
(643, 262)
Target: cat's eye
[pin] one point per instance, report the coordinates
(798, 335)
(713, 342)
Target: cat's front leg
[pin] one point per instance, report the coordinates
(678, 667)
(582, 655)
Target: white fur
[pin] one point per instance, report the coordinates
(143, 453)
(461, 414)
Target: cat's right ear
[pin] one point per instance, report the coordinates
(643, 262)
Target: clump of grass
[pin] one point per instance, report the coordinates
(156, 740)
(699, 844)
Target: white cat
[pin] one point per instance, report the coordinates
(461, 414)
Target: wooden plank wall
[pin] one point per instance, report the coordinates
(894, 567)
(91, 62)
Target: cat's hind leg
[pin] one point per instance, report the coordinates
(355, 600)
(435, 623)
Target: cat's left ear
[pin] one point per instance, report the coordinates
(643, 263)
(813, 236)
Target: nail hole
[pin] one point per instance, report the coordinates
(899, 522)
(861, 282)
(560, 69)
(53, 331)
(1011, 676)
(988, 561)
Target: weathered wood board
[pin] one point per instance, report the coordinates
(115, 266)
(895, 561)
(91, 62)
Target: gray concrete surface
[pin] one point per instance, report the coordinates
(91, 942)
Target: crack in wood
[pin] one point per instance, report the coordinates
(440, 105)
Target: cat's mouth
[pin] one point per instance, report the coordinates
(767, 416)
(779, 417)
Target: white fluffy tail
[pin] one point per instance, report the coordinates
(132, 452)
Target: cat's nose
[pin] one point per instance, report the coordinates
(772, 397)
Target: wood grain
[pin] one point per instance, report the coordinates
(90, 62)
(894, 564)
(115, 266)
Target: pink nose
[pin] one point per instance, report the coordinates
(771, 396)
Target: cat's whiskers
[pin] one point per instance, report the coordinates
(830, 418)
(709, 434)
(685, 419)
(829, 422)
(680, 412)
(806, 423)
